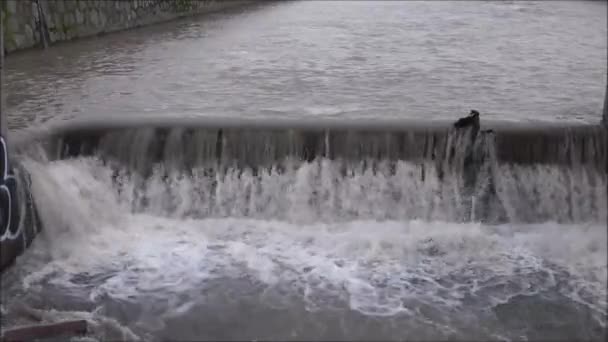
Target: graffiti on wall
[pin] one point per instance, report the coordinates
(19, 222)
(10, 229)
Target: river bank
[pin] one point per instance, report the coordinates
(39, 23)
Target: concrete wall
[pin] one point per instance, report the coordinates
(605, 114)
(29, 23)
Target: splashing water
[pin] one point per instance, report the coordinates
(316, 253)
(349, 249)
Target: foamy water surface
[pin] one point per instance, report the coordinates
(312, 254)
(150, 276)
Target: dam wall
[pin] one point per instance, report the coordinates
(33, 23)
(605, 111)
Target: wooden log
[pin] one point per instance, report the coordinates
(28, 333)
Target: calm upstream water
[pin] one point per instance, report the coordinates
(322, 251)
(514, 60)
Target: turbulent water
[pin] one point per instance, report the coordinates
(311, 253)
(152, 246)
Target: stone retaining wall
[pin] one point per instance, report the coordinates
(29, 23)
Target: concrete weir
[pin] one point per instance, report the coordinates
(471, 161)
(471, 155)
(464, 165)
(255, 143)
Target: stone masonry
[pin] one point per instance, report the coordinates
(30, 23)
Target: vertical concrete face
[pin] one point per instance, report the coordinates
(26, 21)
(18, 216)
(605, 114)
(3, 126)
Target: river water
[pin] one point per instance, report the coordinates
(317, 252)
(514, 60)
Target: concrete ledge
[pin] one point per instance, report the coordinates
(314, 124)
(566, 144)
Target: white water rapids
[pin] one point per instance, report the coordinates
(323, 251)
(309, 255)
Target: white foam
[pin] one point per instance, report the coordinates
(329, 191)
(375, 267)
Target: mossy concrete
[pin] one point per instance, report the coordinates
(28, 22)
